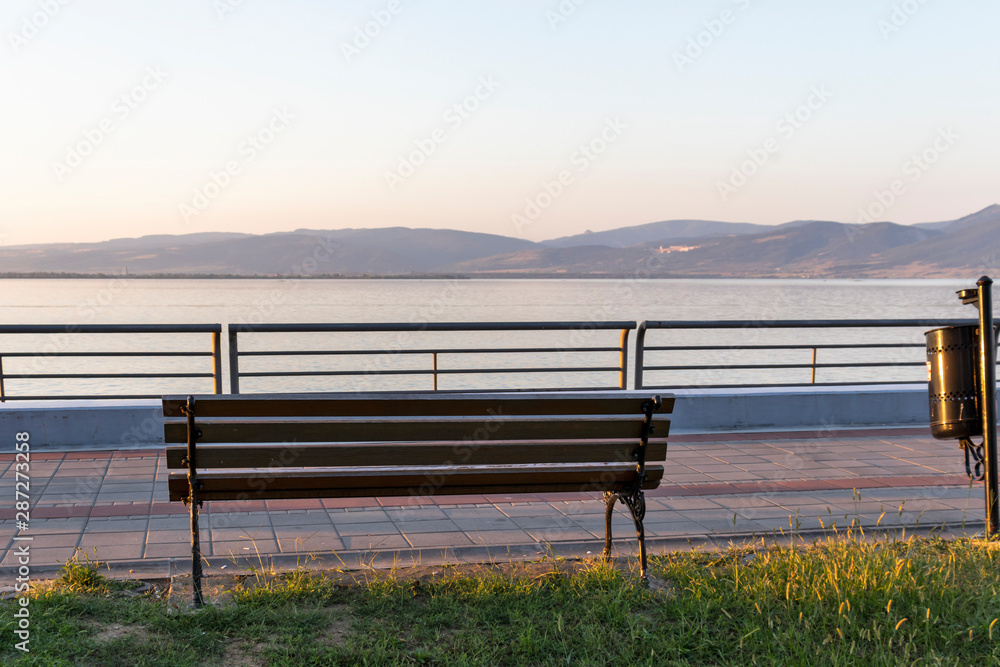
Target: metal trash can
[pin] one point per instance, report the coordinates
(953, 382)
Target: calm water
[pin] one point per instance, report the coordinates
(130, 301)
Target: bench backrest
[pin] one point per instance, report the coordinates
(382, 430)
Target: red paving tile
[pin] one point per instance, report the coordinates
(119, 510)
(473, 499)
(516, 498)
(238, 505)
(343, 503)
(406, 501)
(292, 504)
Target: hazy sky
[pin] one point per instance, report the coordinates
(525, 118)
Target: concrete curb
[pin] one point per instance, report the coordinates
(575, 549)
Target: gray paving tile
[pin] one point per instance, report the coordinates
(44, 556)
(558, 521)
(50, 540)
(243, 548)
(501, 537)
(47, 526)
(301, 518)
(558, 535)
(167, 550)
(113, 550)
(431, 539)
(291, 532)
(374, 542)
(258, 535)
(525, 509)
(493, 523)
(416, 527)
(362, 529)
(116, 525)
(169, 537)
(240, 519)
(312, 544)
(691, 503)
(367, 516)
(170, 523)
(419, 513)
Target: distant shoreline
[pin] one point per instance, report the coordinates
(446, 276)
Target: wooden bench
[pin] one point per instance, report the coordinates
(267, 446)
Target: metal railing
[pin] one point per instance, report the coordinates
(806, 360)
(433, 356)
(809, 363)
(56, 350)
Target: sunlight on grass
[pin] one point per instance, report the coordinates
(837, 601)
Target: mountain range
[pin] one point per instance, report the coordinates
(965, 247)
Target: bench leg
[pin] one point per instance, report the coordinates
(196, 573)
(636, 503)
(609, 499)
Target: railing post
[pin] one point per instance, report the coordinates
(3, 396)
(813, 380)
(217, 362)
(623, 360)
(234, 360)
(640, 343)
(435, 368)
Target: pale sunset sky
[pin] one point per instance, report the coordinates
(535, 119)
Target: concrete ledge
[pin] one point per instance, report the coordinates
(138, 424)
(91, 424)
(799, 408)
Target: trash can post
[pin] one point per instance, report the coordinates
(988, 386)
(962, 393)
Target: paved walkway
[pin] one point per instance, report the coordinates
(717, 488)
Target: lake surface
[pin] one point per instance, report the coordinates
(143, 301)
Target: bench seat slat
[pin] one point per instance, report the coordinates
(476, 429)
(374, 404)
(444, 453)
(417, 481)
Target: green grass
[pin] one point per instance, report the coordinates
(836, 602)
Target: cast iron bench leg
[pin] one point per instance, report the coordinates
(636, 503)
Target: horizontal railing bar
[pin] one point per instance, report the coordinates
(107, 354)
(518, 390)
(81, 397)
(817, 346)
(428, 326)
(108, 328)
(785, 384)
(875, 364)
(85, 376)
(478, 350)
(802, 324)
(418, 371)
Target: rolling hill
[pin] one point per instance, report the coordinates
(968, 246)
